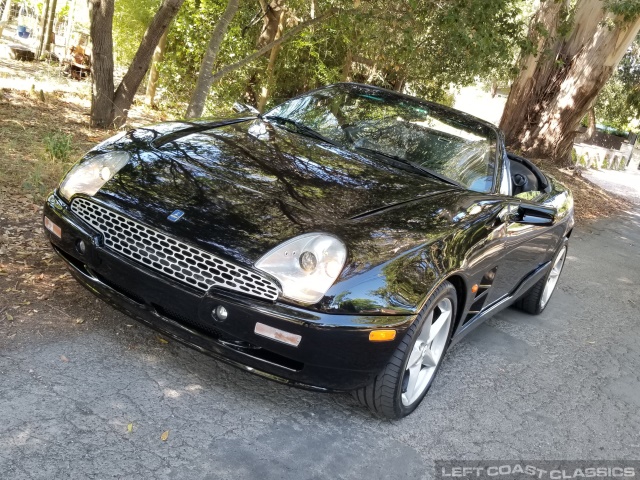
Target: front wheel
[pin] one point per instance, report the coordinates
(405, 380)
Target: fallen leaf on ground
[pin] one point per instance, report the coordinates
(162, 340)
(79, 320)
(130, 427)
(63, 358)
(164, 435)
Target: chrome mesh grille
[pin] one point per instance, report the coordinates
(160, 252)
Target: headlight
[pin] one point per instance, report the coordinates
(306, 265)
(88, 176)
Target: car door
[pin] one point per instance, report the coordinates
(526, 245)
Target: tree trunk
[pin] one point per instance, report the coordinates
(5, 12)
(101, 15)
(346, 66)
(270, 22)
(70, 26)
(205, 77)
(43, 28)
(592, 123)
(152, 84)
(123, 97)
(559, 82)
(272, 12)
(49, 30)
(264, 94)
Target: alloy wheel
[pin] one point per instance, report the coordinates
(427, 352)
(553, 277)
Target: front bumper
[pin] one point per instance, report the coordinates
(334, 352)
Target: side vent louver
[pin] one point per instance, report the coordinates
(482, 293)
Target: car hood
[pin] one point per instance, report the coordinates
(245, 185)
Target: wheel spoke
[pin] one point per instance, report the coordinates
(428, 359)
(426, 328)
(416, 356)
(414, 373)
(437, 326)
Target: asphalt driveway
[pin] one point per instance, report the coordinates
(94, 395)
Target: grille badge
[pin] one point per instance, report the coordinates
(175, 216)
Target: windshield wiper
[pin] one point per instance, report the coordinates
(300, 128)
(415, 166)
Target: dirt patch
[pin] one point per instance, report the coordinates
(36, 291)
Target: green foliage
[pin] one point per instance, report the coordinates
(187, 42)
(629, 10)
(583, 161)
(423, 47)
(605, 162)
(63, 12)
(622, 164)
(58, 145)
(611, 107)
(618, 103)
(130, 20)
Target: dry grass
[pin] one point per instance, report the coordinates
(41, 135)
(38, 105)
(40, 140)
(27, 126)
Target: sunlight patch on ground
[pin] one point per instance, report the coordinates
(625, 183)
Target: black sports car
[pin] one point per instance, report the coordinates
(341, 241)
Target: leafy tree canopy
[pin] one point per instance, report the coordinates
(618, 103)
(421, 46)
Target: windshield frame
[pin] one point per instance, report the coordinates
(491, 131)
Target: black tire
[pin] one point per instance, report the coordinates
(532, 301)
(384, 396)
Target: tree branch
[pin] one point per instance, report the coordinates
(258, 53)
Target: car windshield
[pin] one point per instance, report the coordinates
(386, 124)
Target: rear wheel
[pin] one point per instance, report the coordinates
(401, 386)
(536, 299)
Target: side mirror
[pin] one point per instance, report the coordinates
(535, 215)
(244, 108)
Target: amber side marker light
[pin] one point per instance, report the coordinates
(474, 289)
(382, 335)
